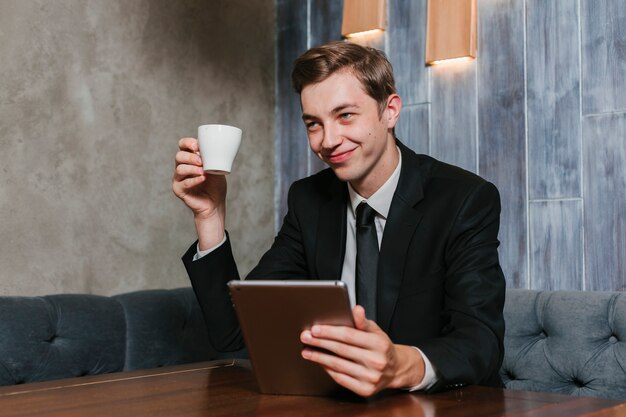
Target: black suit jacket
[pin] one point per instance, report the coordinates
(440, 285)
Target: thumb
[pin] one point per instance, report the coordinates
(360, 321)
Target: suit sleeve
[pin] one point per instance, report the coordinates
(470, 348)
(210, 274)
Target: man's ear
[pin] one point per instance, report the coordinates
(392, 111)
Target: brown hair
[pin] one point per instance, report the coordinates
(369, 65)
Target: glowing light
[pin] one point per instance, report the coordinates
(451, 30)
(363, 17)
(364, 33)
(452, 61)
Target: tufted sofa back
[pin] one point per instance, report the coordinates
(565, 341)
(59, 336)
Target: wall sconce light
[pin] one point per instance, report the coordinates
(362, 17)
(451, 30)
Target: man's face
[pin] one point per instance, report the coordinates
(347, 131)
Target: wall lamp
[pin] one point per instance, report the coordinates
(451, 33)
(363, 17)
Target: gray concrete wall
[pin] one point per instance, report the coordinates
(93, 98)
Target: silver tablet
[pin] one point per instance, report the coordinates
(272, 314)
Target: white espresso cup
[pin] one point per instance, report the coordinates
(218, 147)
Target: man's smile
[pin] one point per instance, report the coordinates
(338, 157)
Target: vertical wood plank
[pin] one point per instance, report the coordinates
(556, 245)
(501, 124)
(453, 114)
(325, 23)
(553, 81)
(325, 20)
(291, 142)
(407, 43)
(605, 202)
(604, 55)
(412, 128)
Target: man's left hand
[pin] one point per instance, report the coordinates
(365, 360)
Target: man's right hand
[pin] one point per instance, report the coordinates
(203, 193)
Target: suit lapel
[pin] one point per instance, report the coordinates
(331, 232)
(402, 221)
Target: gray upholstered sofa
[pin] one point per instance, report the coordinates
(566, 342)
(569, 342)
(59, 336)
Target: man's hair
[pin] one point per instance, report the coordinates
(369, 65)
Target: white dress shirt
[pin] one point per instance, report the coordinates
(380, 201)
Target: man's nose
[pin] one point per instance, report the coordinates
(332, 138)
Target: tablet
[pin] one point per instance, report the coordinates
(272, 314)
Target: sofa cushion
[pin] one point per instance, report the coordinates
(59, 336)
(565, 341)
(164, 327)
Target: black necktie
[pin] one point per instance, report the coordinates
(366, 259)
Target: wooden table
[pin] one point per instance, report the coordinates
(228, 389)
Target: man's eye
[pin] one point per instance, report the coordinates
(312, 125)
(346, 115)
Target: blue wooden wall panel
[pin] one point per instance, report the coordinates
(291, 145)
(553, 82)
(501, 125)
(605, 201)
(453, 114)
(406, 48)
(604, 55)
(482, 123)
(412, 128)
(556, 245)
(325, 26)
(325, 21)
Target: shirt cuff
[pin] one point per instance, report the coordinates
(430, 376)
(201, 253)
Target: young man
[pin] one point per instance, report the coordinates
(433, 316)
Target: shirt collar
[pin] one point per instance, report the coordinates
(381, 199)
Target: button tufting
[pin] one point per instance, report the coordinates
(613, 339)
